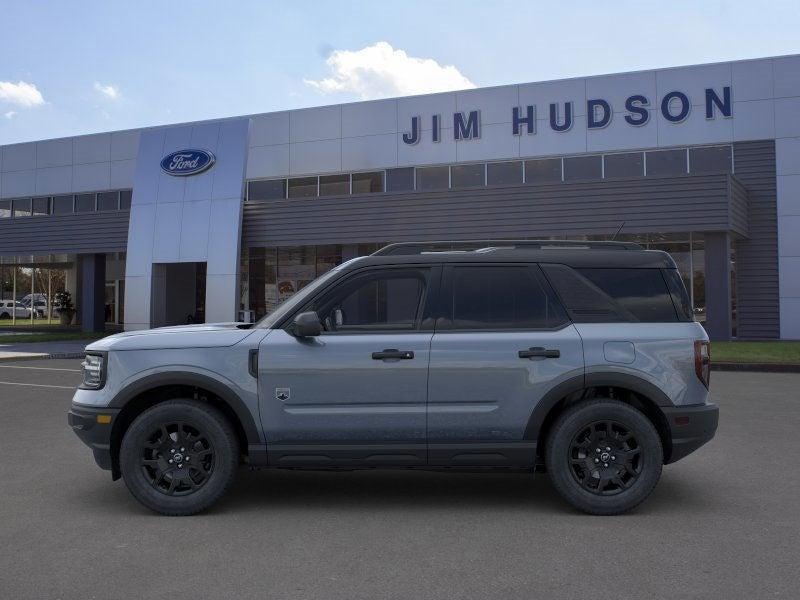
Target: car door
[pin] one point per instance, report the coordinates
(501, 343)
(356, 394)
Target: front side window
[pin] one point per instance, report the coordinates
(386, 300)
(501, 297)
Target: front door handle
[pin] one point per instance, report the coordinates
(393, 353)
(539, 353)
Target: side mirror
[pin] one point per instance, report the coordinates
(306, 325)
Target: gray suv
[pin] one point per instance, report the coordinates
(581, 359)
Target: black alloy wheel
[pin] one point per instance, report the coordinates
(605, 458)
(177, 458)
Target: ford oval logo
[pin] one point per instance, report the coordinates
(187, 162)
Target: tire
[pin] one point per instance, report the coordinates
(187, 429)
(593, 478)
(5, 315)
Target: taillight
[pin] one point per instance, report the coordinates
(702, 361)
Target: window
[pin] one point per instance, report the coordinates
(666, 162)
(375, 301)
(84, 203)
(125, 199)
(303, 187)
(499, 297)
(22, 207)
(468, 175)
(578, 168)
(296, 269)
(334, 185)
(433, 178)
(41, 206)
(543, 171)
(271, 189)
(400, 180)
(367, 183)
(62, 205)
(5, 209)
(108, 201)
(641, 292)
(504, 173)
(328, 257)
(630, 164)
(713, 159)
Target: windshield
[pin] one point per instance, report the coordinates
(300, 298)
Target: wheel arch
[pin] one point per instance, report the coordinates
(632, 390)
(148, 391)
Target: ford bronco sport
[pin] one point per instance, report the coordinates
(581, 359)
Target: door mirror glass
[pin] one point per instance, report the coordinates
(306, 324)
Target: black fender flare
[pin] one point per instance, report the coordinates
(590, 380)
(229, 397)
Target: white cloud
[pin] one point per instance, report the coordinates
(20, 93)
(109, 91)
(380, 71)
(10, 114)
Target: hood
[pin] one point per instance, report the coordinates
(207, 335)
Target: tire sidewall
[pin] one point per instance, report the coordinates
(205, 418)
(557, 457)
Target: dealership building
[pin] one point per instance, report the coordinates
(221, 220)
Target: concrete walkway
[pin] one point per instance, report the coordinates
(65, 349)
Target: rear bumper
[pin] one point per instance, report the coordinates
(690, 427)
(83, 420)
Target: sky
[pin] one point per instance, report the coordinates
(71, 68)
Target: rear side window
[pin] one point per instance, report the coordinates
(501, 297)
(600, 295)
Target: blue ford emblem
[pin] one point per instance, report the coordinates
(187, 162)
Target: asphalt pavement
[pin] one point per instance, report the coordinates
(722, 523)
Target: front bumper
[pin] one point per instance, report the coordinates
(690, 427)
(94, 431)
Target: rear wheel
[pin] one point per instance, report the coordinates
(604, 456)
(179, 457)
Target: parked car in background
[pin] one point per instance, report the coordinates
(14, 308)
(39, 305)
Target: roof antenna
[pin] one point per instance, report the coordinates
(614, 237)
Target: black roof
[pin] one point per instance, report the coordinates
(573, 254)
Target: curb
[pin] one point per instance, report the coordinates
(42, 356)
(758, 367)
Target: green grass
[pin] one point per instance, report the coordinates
(755, 352)
(53, 336)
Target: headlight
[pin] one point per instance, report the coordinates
(94, 373)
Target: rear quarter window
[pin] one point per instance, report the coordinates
(597, 295)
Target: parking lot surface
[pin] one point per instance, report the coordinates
(723, 523)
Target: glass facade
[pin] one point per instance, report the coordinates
(45, 291)
(271, 275)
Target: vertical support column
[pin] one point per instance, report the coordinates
(718, 286)
(93, 288)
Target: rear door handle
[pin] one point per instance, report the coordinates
(539, 353)
(392, 353)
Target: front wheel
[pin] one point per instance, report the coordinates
(179, 457)
(604, 456)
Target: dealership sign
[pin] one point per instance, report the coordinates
(187, 162)
(674, 107)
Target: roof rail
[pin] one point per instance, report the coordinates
(407, 248)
